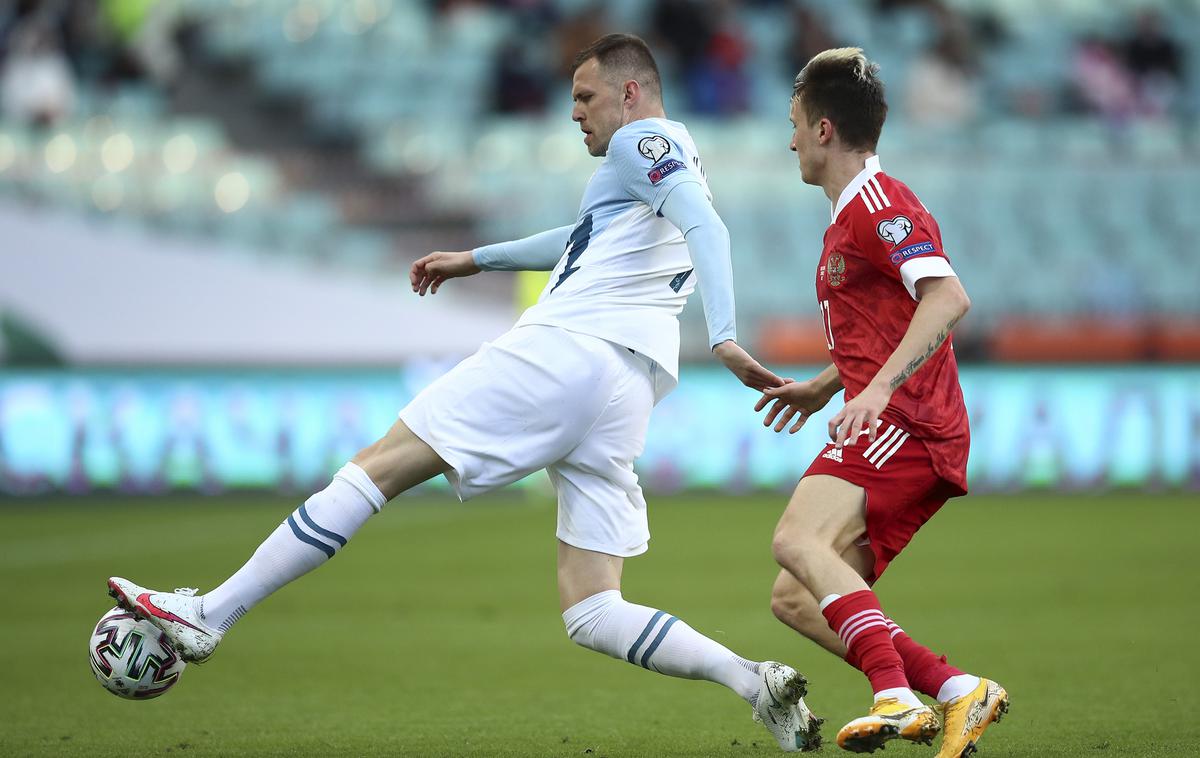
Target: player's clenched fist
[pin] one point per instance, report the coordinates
(428, 273)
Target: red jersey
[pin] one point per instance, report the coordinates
(882, 240)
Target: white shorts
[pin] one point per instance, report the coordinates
(544, 397)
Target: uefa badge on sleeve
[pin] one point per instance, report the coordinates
(654, 147)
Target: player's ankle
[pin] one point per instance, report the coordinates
(903, 694)
(957, 686)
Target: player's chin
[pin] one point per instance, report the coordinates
(595, 147)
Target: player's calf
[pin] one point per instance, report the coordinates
(661, 642)
(794, 605)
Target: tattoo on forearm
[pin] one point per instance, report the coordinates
(917, 362)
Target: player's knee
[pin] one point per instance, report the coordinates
(585, 620)
(790, 546)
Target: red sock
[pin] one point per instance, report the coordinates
(859, 621)
(926, 671)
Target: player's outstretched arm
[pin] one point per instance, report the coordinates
(943, 304)
(688, 208)
(540, 252)
(799, 399)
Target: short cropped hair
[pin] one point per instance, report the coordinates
(626, 57)
(844, 87)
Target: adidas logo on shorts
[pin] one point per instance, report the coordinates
(834, 454)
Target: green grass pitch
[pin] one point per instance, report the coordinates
(437, 633)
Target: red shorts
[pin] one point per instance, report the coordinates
(903, 491)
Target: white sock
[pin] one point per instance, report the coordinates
(311, 535)
(828, 601)
(903, 694)
(658, 641)
(957, 686)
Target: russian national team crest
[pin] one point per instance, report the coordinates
(894, 230)
(654, 147)
(837, 269)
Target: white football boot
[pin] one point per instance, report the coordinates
(781, 709)
(176, 613)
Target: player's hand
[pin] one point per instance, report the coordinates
(859, 416)
(428, 273)
(798, 400)
(749, 371)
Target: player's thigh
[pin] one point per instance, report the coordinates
(583, 573)
(519, 404)
(824, 510)
(400, 460)
(600, 503)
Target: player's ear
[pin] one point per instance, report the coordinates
(824, 131)
(631, 91)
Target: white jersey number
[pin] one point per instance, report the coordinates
(827, 324)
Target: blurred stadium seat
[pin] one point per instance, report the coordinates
(1048, 214)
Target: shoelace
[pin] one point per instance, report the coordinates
(189, 591)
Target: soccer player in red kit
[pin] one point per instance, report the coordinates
(889, 300)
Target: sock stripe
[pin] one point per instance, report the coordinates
(657, 641)
(849, 630)
(863, 628)
(645, 633)
(304, 537)
(237, 614)
(321, 530)
(858, 618)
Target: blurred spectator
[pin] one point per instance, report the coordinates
(1156, 62)
(577, 32)
(525, 61)
(37, 85)
(943, 89)
(522, 77)
(1102, 82)
(808, 36)
(684, 27)
(717, 81)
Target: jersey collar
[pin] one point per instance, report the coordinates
(852, 189)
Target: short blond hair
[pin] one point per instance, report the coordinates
(844, 87)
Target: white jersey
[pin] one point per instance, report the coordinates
(626, 272)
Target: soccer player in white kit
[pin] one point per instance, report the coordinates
(569, 389)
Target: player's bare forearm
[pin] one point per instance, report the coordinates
(943, 304)
(829, 380)
(751, 373)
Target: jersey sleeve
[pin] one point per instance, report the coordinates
(649, 163)
(903, 242)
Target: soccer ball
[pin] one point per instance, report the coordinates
(131, 657)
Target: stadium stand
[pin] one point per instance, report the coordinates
(1067, 206)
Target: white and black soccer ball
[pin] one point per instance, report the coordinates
(131, 657)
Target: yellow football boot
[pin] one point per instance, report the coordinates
(887, 720)
(966, 717)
